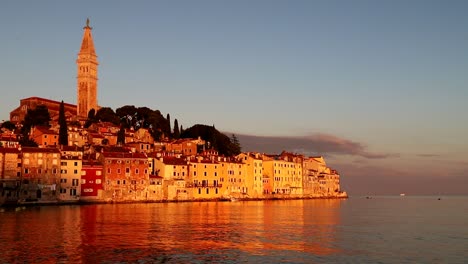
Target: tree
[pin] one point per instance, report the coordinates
(176, 129)
(106, 114)
(236, 147)
(121, 136)
(91, 118)
(213, 138)
(8, 125)
(63, 131)
(181, 129)
(34, 117)
(168, 118)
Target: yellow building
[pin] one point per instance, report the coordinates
(205, 178)
(285, 172)
(234, 178)
(70, 174)
(254, 174)
(174, 171)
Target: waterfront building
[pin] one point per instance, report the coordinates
(92, 173)
(10, 172)
(70, 174)
(204, 178)
(285, 173)
(87, 78)
(174, 172)
(254, 173)
(40, 175)
(234, 178)
(126, 176)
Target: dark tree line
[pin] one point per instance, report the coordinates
(214, 139)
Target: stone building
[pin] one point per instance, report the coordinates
(17, 115)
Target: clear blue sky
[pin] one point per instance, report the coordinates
(391, 76)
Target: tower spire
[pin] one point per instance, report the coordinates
(87, 74)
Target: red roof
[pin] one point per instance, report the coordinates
(47, 100)
(123, 155)
(174, 161)
(9, 150)
(40, 150)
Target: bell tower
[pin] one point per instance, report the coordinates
(87, 74)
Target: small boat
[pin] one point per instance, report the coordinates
(402, 194)
(234, 199)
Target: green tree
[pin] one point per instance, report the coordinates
(34, 117)
(176, 129)
(63, 131)
(236, 147)
(121, 136)
(169, 130)
(91, 118)
(106, 114)
(8, 125)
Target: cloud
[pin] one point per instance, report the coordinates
(314, 144)
(428, 155)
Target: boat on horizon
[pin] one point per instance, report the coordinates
(402, 194)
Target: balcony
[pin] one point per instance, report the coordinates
(200, 185)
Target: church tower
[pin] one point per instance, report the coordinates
(87, 74)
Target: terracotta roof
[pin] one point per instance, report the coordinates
(123, 155)
(174, 161)
(47, 100)
(39, 150)
(9, 150)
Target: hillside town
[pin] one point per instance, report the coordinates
(102, 161)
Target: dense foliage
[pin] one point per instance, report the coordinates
(63, 131)
(215, 139)
(129, 116)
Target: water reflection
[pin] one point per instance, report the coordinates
(209, 231)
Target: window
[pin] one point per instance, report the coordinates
(137, 171)
(83, 181)
(127, 170)
(98, 173)
(63, 180)
(83, 172)
(118, 171)
(72, 192)
(108, 170)
(76, 163)
(205, 173)
(98, 181)
(207, 191)
(75, 171)
(26, 171)
(63, 163)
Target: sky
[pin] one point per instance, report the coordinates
(376, 87)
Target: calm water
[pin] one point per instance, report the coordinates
(381, 229)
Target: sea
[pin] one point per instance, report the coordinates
(360, 229)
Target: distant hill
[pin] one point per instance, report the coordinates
(215, 139)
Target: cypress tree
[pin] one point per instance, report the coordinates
(121, 136)
(63, 131)
(176, 129)
(169, 131)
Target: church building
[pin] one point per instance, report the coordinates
(87, 66)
